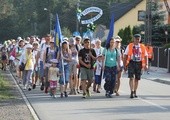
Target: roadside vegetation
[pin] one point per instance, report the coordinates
(5, 89)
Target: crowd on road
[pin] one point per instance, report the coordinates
(76, 64)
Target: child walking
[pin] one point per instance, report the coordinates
(53, 77)
(98, 73)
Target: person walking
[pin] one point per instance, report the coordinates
(118, 40)
(73, 66)
(78, 48)
(53, 77)
(28, 60)
(135, 58)
(64, 57)
(149, 50)
(87, 57)
(111, 65)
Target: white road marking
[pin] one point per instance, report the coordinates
(149, 102)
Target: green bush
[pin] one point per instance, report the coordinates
(166, 45)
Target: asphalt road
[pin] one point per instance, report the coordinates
(153, 103)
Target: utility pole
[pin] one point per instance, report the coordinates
(148, 22)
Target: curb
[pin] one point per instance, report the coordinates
(31, 109)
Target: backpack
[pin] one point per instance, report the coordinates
(13, 52)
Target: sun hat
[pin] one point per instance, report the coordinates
(28, 46)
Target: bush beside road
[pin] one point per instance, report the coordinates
(12, 105)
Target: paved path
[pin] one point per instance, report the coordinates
(153, 103)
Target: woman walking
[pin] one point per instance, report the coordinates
(112, 63)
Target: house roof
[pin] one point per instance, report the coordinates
(120, 9)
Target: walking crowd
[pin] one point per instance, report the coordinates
(76, 64)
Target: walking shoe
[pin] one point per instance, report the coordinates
(42, 87)
(117, 94)
(135, 94)
(98, 91)
(110, 96)
(65, 94)
(131, 94)
(29, 89)
(54, 96)
(78, 92)
(107, 94)
(46, 90)
(61, 95)
(34, 86)
(88, 93)
(84, 95)
(74, 92)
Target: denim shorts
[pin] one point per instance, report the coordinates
(66, 73)
(41, 69)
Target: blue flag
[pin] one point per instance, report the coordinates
(111, 30)
(58, 35)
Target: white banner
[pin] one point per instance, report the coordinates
(90, 10)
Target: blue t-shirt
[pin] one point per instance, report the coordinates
(111, 57)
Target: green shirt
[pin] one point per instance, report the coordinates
(111, 57)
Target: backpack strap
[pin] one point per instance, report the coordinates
(46, 55)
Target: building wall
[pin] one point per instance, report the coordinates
(130, 18)
(164, 9)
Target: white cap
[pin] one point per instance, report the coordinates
(65, 38)
(19, 38)
(28, 46)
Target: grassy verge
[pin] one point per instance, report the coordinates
(5, 88)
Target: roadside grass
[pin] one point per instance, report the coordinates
(5, 89)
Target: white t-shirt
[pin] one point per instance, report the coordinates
(53, 74)
(42, 50)
(98, 67)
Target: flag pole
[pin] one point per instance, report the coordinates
(58, 42)
(110, 35)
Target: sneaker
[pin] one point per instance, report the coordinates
(110, 95)
(65, 94)
(84, 95)
(135, 94)
(117, 94)
(131, 95)
(106, 94)
(78, 92)
(61, 95)
(74, 92)
(29, 89)
(46, 90)
(20, 81)
(54, 96)
(34, 86)
(42, 87)
(24, 87)
(98, 91)
(88, 93)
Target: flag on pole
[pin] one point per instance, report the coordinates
(58, 35)
(110, 35)
(111, 30)
(58, 40)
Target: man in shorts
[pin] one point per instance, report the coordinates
(135, 59)
(87, 57)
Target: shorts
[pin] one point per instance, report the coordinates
(73, 68)
(53, 84)
(63, 81)
(98, 79)
(134, 68)
(86, 74)
(41, 69)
